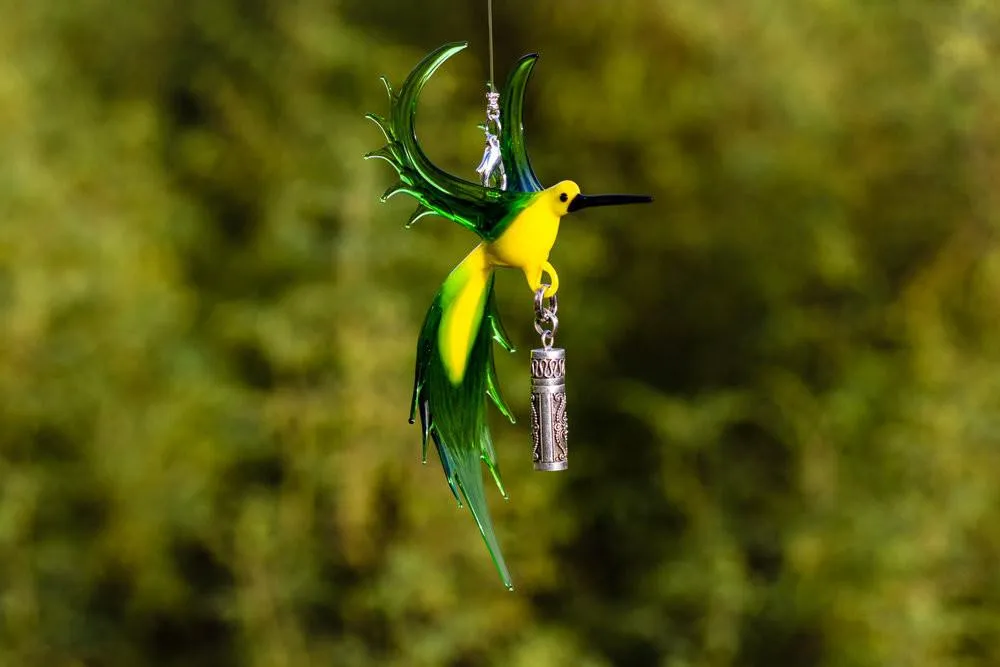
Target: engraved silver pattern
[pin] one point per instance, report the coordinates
(560, 427)
(536, 430)
(549, 430)
(548, 368)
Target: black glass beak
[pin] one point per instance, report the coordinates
(588, 201)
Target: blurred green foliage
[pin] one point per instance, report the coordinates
(785, 375)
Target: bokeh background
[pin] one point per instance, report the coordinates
(784, 375)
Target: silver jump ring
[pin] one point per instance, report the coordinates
(540, 301)
(546, 315)
(542, 330)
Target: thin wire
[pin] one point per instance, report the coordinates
(489, 15)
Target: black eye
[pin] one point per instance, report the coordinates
(563, 197)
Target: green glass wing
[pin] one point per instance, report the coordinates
(520, 176)
(482, 210)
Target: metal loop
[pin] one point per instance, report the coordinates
(541, 329)
(546, 315)
(540, 308)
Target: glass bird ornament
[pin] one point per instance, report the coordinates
(517, 227)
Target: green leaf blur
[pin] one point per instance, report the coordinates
(784, 376)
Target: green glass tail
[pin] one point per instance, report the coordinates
(453, 415)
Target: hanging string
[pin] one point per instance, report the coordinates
(489, 19)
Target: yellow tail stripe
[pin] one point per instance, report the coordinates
(463, 299)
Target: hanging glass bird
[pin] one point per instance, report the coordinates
(518, 227)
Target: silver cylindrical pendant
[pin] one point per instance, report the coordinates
(548, 408)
